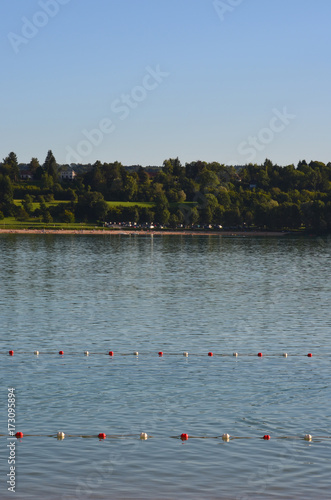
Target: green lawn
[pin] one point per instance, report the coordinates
(12, 223)
(47, 203)
(146, 204)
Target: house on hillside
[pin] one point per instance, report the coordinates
(26, 175)
(68, 174)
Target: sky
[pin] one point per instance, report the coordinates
(140, 81)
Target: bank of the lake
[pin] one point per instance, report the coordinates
(143, 232)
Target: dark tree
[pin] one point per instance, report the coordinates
(33, 166)
(10, 167)
(50, 166)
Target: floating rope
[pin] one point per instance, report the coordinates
(144, 436)
(161, 354)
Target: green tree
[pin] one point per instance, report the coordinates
(232, 217)
(130, 188)
(100, 210)
(219, 215)
(47, 181)
(248, 218)
(42, 205)
(68, 217)
(146, 215)
(130, 214)
(162, 217)
(290, 215)
(28, 204)
(21, 214)
(33, 166)
(181, 196)
(46, 217)
(172, 167)
(10, 167)
(208, 180)
(38, 173)
(50, 166)
(207, 206)
(6, 189)
(173, 221)
(194, 216)
(72, 195)
(143, 176)
(315, 216)
(206, 215)
(91, 206)
(223, 197)
(6, 195)
(162, 213)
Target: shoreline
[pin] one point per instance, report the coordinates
(111, 232)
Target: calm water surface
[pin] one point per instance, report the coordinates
(170, 294)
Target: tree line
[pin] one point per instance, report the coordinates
(265, 196)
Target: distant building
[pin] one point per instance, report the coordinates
(68, 174)
(26, 175)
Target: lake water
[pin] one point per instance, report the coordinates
(170, 294)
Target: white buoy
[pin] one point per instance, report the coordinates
(226, 437)
(235, 354)
(60, 436)
(136, 353)
(36, 353)
(86, 353)
(308, 437)
(143, 436)
(185, 354)
(285, 354)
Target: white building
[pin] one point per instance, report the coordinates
(26, 175)
(68, 174)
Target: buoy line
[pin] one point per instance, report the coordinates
(161, 354)
(60, 435)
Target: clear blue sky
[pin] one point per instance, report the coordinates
(223, 77)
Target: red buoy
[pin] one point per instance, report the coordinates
(160, 353)
(11, 353)
(111, 353)
(260, 355)
(184, 437)
(266, 437)
(310, 355)
(19, 435)
(61, 353)
(102, 435)
(210, 354)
